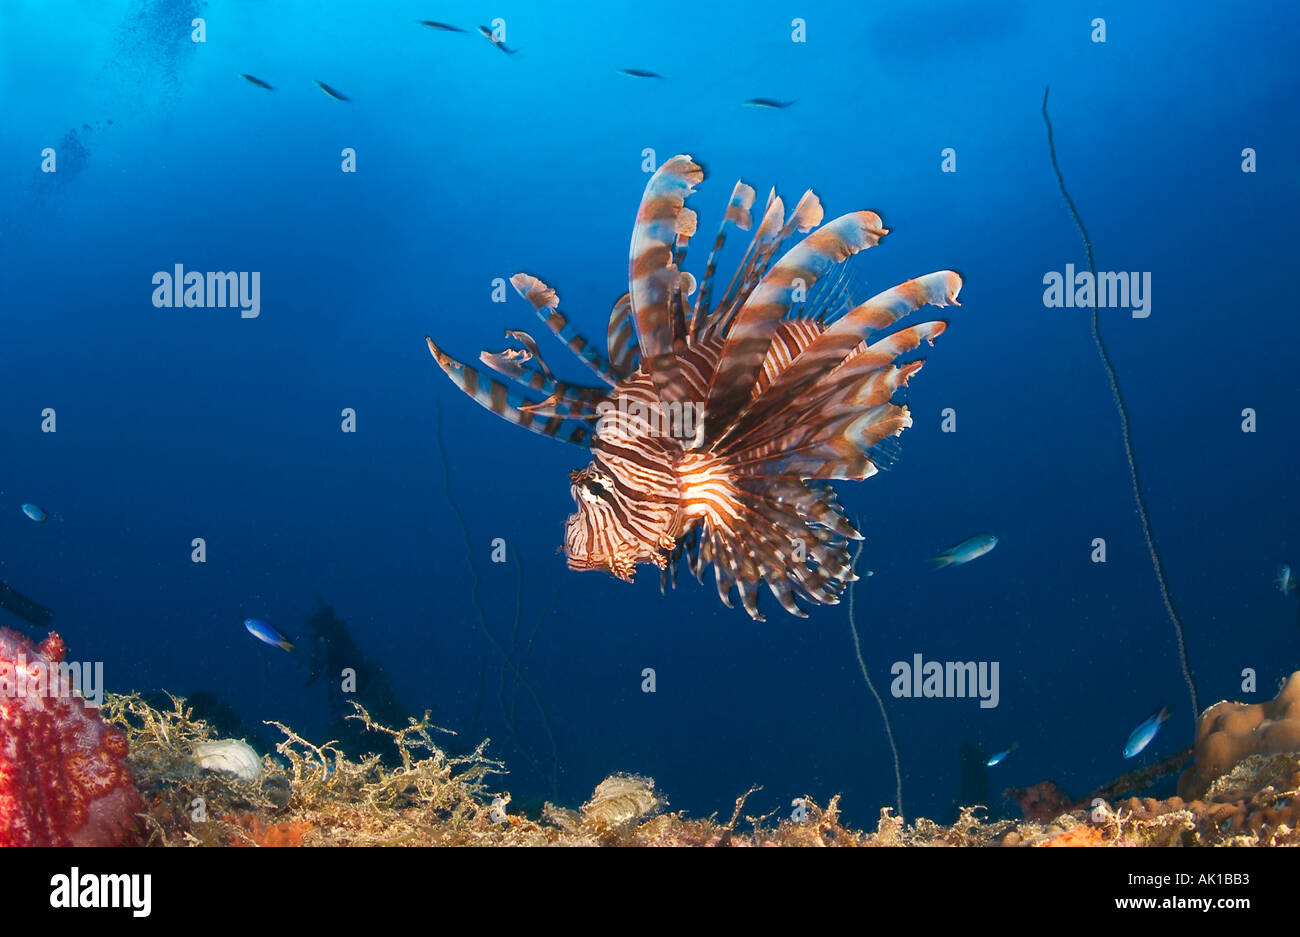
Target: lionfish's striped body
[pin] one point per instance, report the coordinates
(717, 428)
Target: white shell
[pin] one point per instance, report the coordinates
(231, 755)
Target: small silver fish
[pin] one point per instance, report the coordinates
(331, 92)
(1141, 737)
(966, 551)
(638, 73)
(1285, 581)
(1000, 757)
(35, 513)
(487, 34)
(267, 634)
(252, 80)
(768, 102)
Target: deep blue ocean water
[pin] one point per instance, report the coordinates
(183, 423)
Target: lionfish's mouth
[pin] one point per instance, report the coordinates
(621, 563)
(580, 563)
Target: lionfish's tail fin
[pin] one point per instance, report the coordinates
(750, 337)
(663, 225)
(546, 302)
(512, 404)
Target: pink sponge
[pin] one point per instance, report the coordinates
(63, 774)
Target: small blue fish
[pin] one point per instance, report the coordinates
(1141, 736)
(966, 551)
(35, 513)
(768, 103)
(267, 634)
(254, 80)
(1000, 757)
(1285, 581)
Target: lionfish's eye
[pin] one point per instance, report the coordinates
(596, 488)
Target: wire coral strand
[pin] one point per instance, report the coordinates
(508, 715)
(469, 543)
(1124, 423)
(884, 714)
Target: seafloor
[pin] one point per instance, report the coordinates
(1241, 790)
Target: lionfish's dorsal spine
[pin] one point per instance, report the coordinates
(528, 368)
(510, 404)
(763, 235)
(654, 279)
(624, 352)
(767, 244)
(683, 284)
(546, 302)
(807, 214)
(742, 200)
(756, 323)
(544, 405)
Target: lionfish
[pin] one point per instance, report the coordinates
(716, 429)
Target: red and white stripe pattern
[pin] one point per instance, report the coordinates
(715, 443)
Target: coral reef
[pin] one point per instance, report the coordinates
(311, 795)
(317, 795)
(1229, 732)
(63, 772)
(1257, 803)
(1040, 802)
(1079, 836)
(1140, 779)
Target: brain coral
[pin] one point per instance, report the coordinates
(63, 774)
(1229, 732)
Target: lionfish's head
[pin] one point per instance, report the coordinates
(597, 535)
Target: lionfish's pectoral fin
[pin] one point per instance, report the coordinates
(508, 403)
(755, 325)
(826, 414)
(834, 369)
